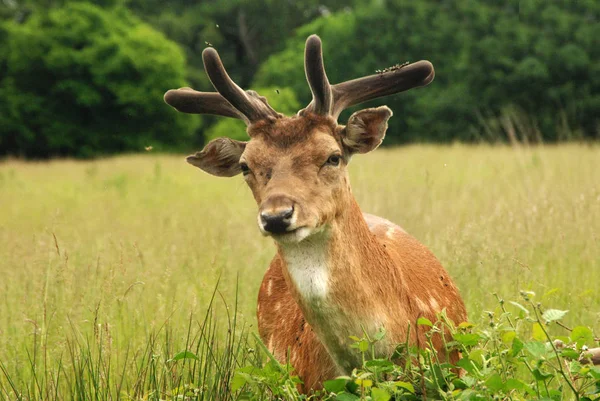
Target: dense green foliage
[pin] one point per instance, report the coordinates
(508, 355)
(245, 32)
(537, 57)
(81, 80)
(527, 71)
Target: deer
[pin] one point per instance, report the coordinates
(338, 272)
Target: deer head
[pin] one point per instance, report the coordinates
(296, 166)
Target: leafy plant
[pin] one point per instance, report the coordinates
(82, 80)
(510, 355)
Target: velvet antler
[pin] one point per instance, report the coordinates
(332, 100)
(231, 101)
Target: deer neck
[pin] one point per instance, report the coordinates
(332, 278)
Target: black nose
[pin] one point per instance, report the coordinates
(277, 221)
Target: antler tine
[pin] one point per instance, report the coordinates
(187, 100)
(251, 105)
(397, 79)
(316, 76)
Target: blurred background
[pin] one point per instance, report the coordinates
(86, 78)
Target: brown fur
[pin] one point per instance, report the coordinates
(404, 288)
(335, 273)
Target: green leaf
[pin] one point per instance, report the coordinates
(335, 386)
(363, 346)
(380, 334)
(517, 346)
(538, 332)
(582, 336)
(535, 348)
(459, 384)
(423, 321)
(477, 357)
(521, 307)
(346, 397)
(554, 314)
(470, 339)
(184, 355)
(407, 386)
(238, 381)
(508, 337)
(516, 384)
(351, 387)
(595, 372)
(379, 365)
(378, 394)
(541, 376)
(569, 353)
(467, 365)
(575, 367)
(364, 382)
(495, 383)
(556, 395)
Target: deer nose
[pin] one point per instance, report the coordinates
(277, 221)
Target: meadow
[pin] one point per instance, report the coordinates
(120, 257)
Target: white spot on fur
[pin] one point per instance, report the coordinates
(422, 306)
(434, 304)
(270, 346)
(293, 221)
(390, 232)
(269, 287)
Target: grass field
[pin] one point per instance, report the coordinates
(127, 251)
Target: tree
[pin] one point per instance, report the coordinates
(245, 32)
(539, 58)
(81, 80)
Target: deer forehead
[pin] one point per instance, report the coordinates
(312, 148)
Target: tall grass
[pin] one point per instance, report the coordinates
(108, 267)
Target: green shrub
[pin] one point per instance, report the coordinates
(538, 57)
(81, 80)
(509, 355)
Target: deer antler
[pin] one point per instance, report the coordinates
(332, 100)
(231, 101)
(191, 101)
(316, 76)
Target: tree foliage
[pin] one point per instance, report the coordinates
(539, 58)
(82, 80)
(245, 32)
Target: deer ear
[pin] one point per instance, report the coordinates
(220, 157)
(366, 129)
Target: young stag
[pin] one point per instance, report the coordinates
(337, 272)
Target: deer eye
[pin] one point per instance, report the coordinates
(333, 160)
(245, 169)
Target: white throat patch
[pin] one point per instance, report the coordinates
(307, 265)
